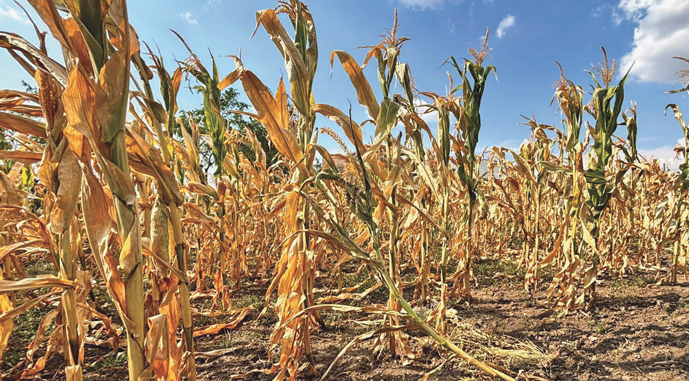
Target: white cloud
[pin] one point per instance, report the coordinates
(431, 118)
(505, 24)
(423, 4)
(617, 17)
(428, 115)
(513, 144)
(13, 13)
(635, 9)
(665, 154)
(661, 33)
(189, 17)
(616, 14)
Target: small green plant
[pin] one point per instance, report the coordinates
(228, 341)
(111, 360)
(600, 329)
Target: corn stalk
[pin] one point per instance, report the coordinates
(469, 125)
(607, 106)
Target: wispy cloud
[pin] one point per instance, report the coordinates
(505, 24)
(600, 10)
(661, 33)
(210, 3)
(13, 13)
(189, 17)
(607, 8)
(423, 4)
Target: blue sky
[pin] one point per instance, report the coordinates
(527, 37)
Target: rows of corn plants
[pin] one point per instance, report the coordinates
(95, 184)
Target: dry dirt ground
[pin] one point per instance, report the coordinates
(637, 331)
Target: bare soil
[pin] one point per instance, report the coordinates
(637, 331)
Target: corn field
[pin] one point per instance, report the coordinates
(143, 250)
